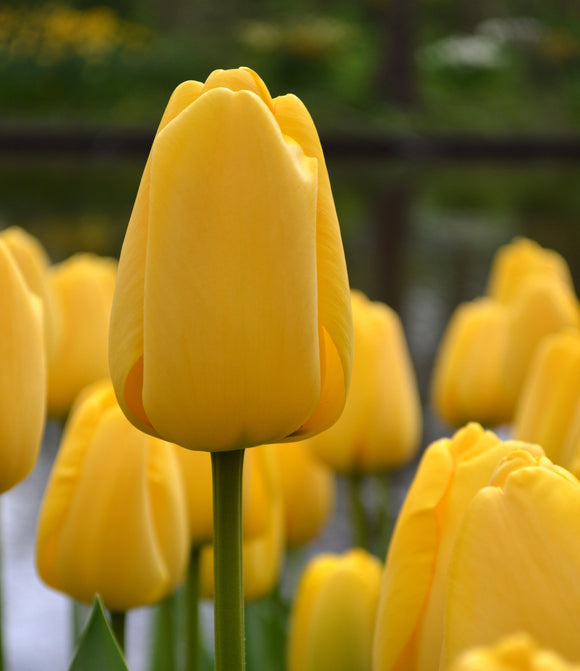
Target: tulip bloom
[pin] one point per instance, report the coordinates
(488, 348)
(262, 548)
(231, 322)
(34, 264)
(409, 630)
(83, 285)
(308, 492)
(516, 560)
(333, 614)
(23, 378)
(380, 426)
(515, 263)
(549, 407)
(517, 652)
(113, 518)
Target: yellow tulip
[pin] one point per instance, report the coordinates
(332, 618)
(113, 519)
(516, 652)
(409, 628)
(515, 263)
(308, 492)
(516, 560)
(380, 426)
(231, 322)
(488, 348)
(468, 375)
(34, 264)
(549, 406)
(23, 378)
(83, 285)
(262, 551)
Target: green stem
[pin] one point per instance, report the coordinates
(230, 652)
(384, 517)
(358, 516)
(118, 620)
(192, 640)
(163, 656)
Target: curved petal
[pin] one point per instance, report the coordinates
(334, 311)
(207, 354)
(516, 562)
(23, 379)
(239, 79)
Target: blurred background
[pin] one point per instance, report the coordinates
(449, 126)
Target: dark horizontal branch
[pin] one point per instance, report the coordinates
(102, 141)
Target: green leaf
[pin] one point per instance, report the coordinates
(97, 648)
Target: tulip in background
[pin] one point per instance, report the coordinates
(83, 286)
(34, 264)
(23, 379)
(516, 262)
(409, 628)
(308, 492)
(488, 347)
(380, 427)
(113, 519)
(231, 322)
(548, 412)
(516, 652)
(333, 613)
(516, 560)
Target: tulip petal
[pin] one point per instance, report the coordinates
(207, 354)
(23, 379)
(333, 291)
(516, 564)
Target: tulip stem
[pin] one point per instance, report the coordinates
(118, 619)
(192, 643)
(228, 576)
(357, 511)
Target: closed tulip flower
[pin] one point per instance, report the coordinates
(333, 614)
(23, 379)
(262, 548)
(488, 348)
(380, 427)
(549, 407)
(516, 560)
(113, 518)
(409, 630)
(517, 652)
(83, 285)
(308, 492)
(515, 263)
(34, 264)
(231, 322)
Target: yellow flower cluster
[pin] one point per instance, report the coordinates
(54, 32)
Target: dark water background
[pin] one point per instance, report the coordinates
(418, 236)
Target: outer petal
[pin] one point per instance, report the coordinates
(333, 292)
(410, 617)
(550, 400)
(126, 329)
(206, 354)
(23, 378)
(468, 380)
(516, 561)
